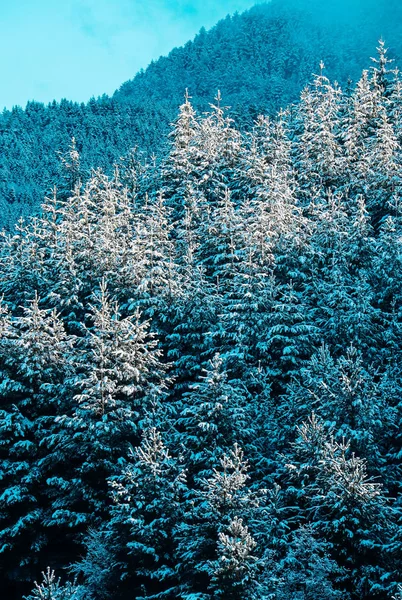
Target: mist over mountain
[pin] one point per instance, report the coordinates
(262, 58)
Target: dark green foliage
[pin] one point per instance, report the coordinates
(200, 362)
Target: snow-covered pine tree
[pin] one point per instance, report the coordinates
(224, 506)
(35, 363)
(138, 536)
(51, 589)
(119, 389)
(191, 317)
(157, 285)
(236, 569)
(347, 509)
(21, 265)
(212, 416)
(220, 146)
(181, 168)
(347, 395)
(340, 262)
(221, 241)
(317, 151)
(71, 173)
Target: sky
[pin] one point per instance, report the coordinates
(76, 49)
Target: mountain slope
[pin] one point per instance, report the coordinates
(260, 60)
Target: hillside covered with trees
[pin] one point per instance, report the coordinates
(201, 362)
(260, 60)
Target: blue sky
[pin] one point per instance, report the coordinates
(76, 49)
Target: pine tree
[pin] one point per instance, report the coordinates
(318, 152)
(71, 170)
(182, 166)
(340, 290)
(137, 539)
(346, 507)
(305, 571)
(347, 395)
(221, 244)
(222, 506)
(212, 416)
(220, 147)
(35, 361)
(191, 316)
(236, 568)
(51, 589)
(291, 334)
(117, 391)
(157, 285)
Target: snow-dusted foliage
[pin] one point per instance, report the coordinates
(51, 589)
(200, 362)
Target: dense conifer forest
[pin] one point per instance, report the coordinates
(201, 362)
(260, 60)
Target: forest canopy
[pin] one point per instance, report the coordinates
(201, 361)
